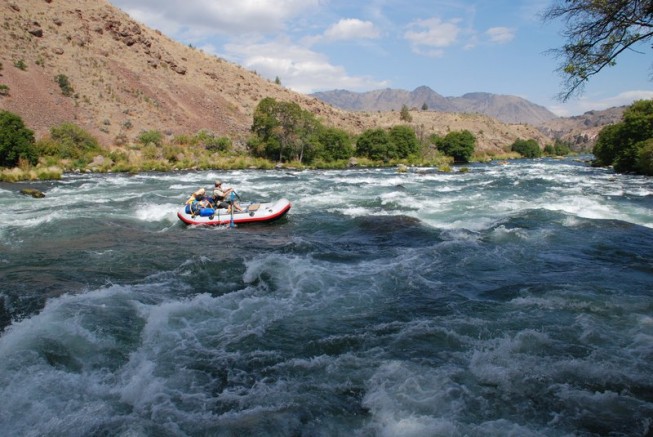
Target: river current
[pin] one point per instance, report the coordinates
(507, 300)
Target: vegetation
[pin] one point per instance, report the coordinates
(282, 134)
(404, 114)
(628, 146)
(20, 64)
(458, 144)
(558, 148)
(72, 141)
(151, 136)
(66, 89)
(597, 32)
(285, 132)
(16, 141)
(4, 90)
(527, 148)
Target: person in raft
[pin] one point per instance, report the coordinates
(222, 197)
(197, 201)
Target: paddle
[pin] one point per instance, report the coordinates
(231, 224)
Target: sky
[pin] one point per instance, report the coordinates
(453, 47)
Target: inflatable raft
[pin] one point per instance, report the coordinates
(251, 213)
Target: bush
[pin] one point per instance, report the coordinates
(66, 89)
(151, 136)
(374, 144)
(73, 141)
(16, 141)
(335, 145)
(4, 90)
(20, 64)
(458, 144)
(527, 148)
(404, 114)
(404, 140)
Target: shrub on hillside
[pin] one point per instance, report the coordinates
(16, 141)
(64, 84)
(71, 141)
(151, 136)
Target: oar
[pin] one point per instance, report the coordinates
(231, 224)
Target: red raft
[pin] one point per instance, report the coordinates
(251, 213)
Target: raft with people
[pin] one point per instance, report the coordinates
(222, 208)
(250, 213)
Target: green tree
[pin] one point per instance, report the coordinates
(425, 107)
(404, 141)
(527, 148)
(16, 141)
(620, 144)
(285, 131)
(645, 158)
(561, 148)
(596, 33)
(458, 144)
(404, 115)
(374, 144)
(605, 150)
(335, 144)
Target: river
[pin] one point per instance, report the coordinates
(507, 300)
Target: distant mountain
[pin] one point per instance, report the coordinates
(509, 109)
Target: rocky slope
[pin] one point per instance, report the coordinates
(581, 131)
(127, 78)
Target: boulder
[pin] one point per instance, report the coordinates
(32, 192)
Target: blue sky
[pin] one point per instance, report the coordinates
(453, 47)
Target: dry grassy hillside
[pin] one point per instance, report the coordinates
(128, 78)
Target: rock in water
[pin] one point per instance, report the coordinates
(32, 192)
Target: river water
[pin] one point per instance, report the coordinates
(509, 300)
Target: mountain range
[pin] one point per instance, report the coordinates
(509, 109)
(122, 78)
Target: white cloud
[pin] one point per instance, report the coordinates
(585, 104)
(209, 17)
(299, 68)
(500, 35)
(431, 36)
(352, 28)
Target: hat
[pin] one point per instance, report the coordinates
(218, 182)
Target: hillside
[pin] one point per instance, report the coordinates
(581, 131)
(508, 109)
(127, 78)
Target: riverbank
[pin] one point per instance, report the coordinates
(49, 170)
